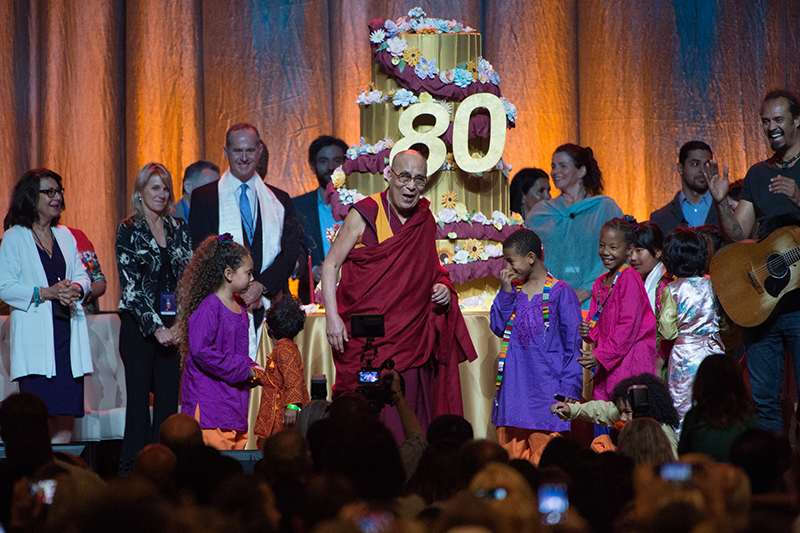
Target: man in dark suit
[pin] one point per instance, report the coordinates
(325, 154)
(692, 205)
(260, 217)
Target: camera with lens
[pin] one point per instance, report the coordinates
(639, 400)
(374, 387)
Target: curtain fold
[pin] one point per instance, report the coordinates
(95, 89)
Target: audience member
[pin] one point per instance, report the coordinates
(528, 187)
(643, 440)
(313, 411)
(180, 432)
(452, 427)
(156, 463)
(474, 455)
(196, 175)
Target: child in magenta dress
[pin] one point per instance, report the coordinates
(622, 326)
(542, 351)
(217, 369)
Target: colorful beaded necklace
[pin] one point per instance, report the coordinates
(501, 363)
(600, 307)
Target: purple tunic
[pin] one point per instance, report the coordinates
(538, 365)
(217, 366)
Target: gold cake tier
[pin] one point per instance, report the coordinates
(485, 193)
(379, 121)
(448, 49)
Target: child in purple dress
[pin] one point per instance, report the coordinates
(217, 370)
(538, 321)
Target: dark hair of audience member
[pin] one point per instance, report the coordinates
(529, 472)
(129, 505)
(789, 96)
(683, 153)
(285, 318)
(719, 394)
(660, 408)
(323, 498)
(320, 436)
(451, 427)
(433, 480)
(649, 236)
(521, 184)
(559, 452)
(584, 157)
(286, 456)
(685, 253)
(247, 503)
(523, 241)
(199, 471)
(644, 441)
(476, 454)
(760, 454)
(351, 406)
(23, 428)
(378, 480)
(156, 463)
(466, 509)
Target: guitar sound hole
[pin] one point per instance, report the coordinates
(777, 266)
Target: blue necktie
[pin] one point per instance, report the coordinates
(247, 214)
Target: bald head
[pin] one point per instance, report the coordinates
(156, 463)
(405, 159)
(180, 431)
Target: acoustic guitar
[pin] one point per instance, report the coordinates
(750, 278)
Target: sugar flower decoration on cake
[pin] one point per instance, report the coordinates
(391, 28)
(474, 248)
(462, 77)
(511, 110)
(461, 212)
(480, 218)
(426, 69)
(352, 153)
(417, 12)
(517, 217)
(473, 69)
(447, 106)
(461, 257)
(411, 56)
(338, 177)
(493, 250)
(445, 256)
(377, 36)
(370, 97)
(404, 97)
(396, 46)
(447, 215)
(425, 96)
(447, 76)
(452, 235)
(450, 160)
(449, 199)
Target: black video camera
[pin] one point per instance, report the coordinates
(639, 400)
(376, 389)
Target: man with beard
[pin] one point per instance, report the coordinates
(771, 199)
(692, 205)
(325, 155)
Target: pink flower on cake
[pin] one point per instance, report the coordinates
(480, 218)
(426, 69)
(493, 250)
(396, 46)
(403, 24)
(377, 36)
(447, 76)
(447, 216)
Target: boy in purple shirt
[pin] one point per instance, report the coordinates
(538, 317)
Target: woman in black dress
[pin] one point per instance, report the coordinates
(152, 250)
(42, 278)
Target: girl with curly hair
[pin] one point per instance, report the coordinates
(621, 333)
(214, 341)
(619, 410)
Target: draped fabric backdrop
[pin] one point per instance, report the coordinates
(94, 89)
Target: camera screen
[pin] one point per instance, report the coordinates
(553, 503)
(676, 472)
(368, 377)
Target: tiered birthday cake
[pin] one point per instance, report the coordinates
(432, 90)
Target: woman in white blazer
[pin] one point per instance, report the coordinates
(42, 278)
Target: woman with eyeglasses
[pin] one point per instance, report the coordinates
(44, 280)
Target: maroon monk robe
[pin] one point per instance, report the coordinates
(395, 278)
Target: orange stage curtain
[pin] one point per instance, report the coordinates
(95, 89)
